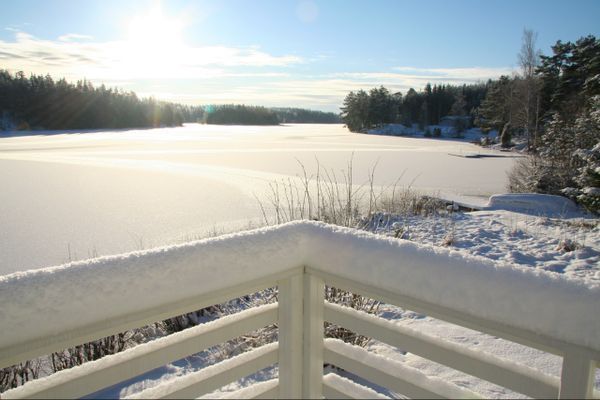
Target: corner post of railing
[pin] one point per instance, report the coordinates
(577, 376)
(290, 320)
(314, 298)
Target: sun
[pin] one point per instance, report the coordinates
(154, 43)
(155, 30)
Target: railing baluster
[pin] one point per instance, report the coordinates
(577, 377)
(290, 337)
(314, 302)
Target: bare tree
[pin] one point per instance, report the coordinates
(528, 56)
(529, 98)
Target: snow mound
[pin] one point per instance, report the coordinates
(534, 203)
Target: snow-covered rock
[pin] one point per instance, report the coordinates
(534, 203)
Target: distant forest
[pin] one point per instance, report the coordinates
(40, 102)
(238, 114)
(303, 116)
(364, 110)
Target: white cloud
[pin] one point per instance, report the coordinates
(467, 73)
(403, 78)
(213, 74)
(75, 56)
(324, 94)
(73, 37)
(327, 92)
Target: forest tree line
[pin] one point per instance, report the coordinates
(240, 114)
(303, 116)
(40, 102)
(237, 114)
(365, 110)
(552, 104)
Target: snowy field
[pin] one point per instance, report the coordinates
(68, 195)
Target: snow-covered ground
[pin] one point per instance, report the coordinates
(566, 246)
(513, 237)
(523, 240)
(73, 195)
(516, 238)
(446, 132)
(506, 235)
(552, 243)
(78, 195)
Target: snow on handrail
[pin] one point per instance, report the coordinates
(40, 303)
(112, 293)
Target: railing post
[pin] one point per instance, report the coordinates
(577, 377)
(312, 376)
(290, 336)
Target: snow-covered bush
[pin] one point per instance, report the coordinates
(531, 174)
(568, 162)
(588, 179)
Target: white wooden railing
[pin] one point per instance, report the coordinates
(301, 350)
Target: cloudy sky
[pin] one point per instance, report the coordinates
(307, 53)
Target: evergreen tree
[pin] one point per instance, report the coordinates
(362, 110)
(39, 102)
(459, 106)
(570, 77)
(496, 109)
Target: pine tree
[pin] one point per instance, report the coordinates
(496, 109)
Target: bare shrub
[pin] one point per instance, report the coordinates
(16, 375)
(568, 245)
(91, 351)
(348, 299)
(335, 198)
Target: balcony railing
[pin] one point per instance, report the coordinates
(300, 259)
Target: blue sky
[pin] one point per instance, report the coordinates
(279, 53)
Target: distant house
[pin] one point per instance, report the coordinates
(455, 121)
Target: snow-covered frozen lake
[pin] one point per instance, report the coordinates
(67, 196)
